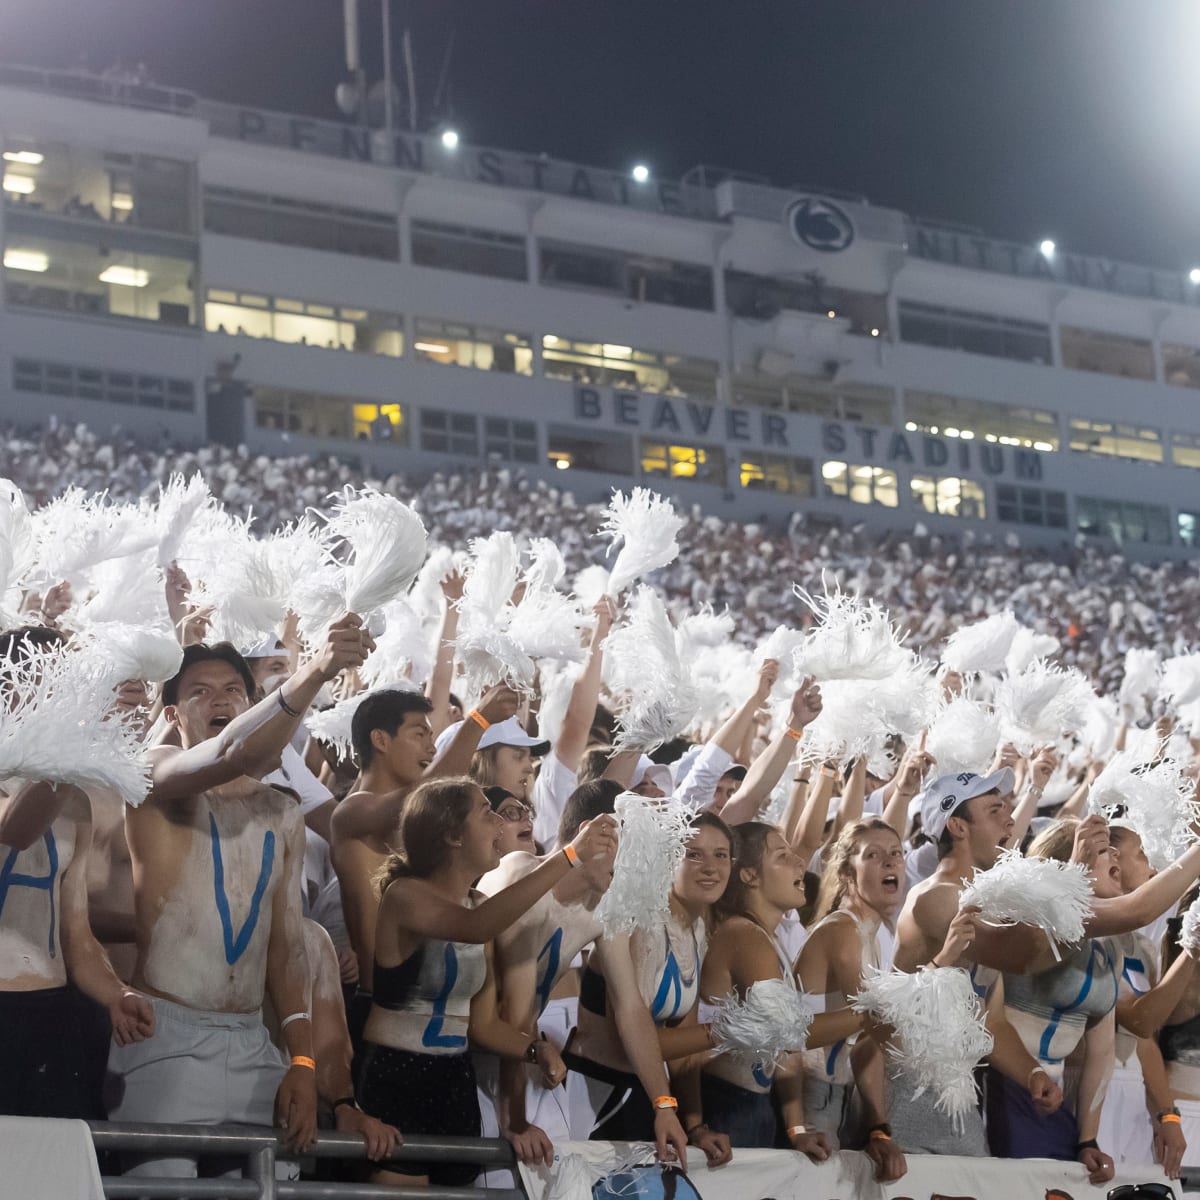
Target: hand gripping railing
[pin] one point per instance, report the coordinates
(261, 1148)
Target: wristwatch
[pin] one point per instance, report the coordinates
(531, 1051)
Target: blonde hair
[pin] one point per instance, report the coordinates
(1056, 841)
(836, 871)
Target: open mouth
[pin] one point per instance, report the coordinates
(1003, 842)
(526, 835)
(424, 762)
(891, 884)
(219, 722)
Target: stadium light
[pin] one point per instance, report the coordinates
(31, 158)
(640, 173)
(20, 185)
(1194, 274)
(1047, 248)
(450, 139)
(26, 260)
(125, 276)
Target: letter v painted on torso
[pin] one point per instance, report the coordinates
(235, 947)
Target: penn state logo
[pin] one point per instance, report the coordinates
(819, 224)
(949, 802)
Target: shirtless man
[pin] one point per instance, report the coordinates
(46, 943)
(216, 870)
(970, 819)
(534, 953)
(393, 744)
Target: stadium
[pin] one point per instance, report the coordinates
(535, 679)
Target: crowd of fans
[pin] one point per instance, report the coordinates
(408, 934)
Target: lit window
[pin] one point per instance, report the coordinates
(948, 496)
(862, 484)
(452, 344)
(702, 464)
(378, 423)
(1115, 438)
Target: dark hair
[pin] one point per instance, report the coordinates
(671, 752)
(588, 801)
(707, 819)
(604, 725)
(593, 762)
(749, 845)
(433, 814)
(384, 710)
(455, 702)
(945, 843)
(496, 796)
(193, 655)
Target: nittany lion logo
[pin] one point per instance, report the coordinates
(819, 224)
(949, 802)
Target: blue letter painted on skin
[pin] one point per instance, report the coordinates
(236, 947)
(42, 882)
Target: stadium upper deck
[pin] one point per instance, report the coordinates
(176, 264)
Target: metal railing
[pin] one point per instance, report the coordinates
(262, 1148)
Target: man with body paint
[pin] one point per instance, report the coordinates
(47, 944)
(216, 873)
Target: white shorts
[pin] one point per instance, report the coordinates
(1126, 1132)
(199, 1068)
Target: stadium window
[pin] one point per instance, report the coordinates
(1123, 521)
(762, 297)
(606, 364)
(980, 420)
(94, 383)
(589, 450)
(635, 277)
(815, 397)
(1181, 365)
(1106, 353)
(449, 343)
(379, 423)
(449, 433)
(476, 251)
(305, 323)
(1031, 506)
(287, 222)
(1134, 442)
(89, 279)
(309, 414)
(86, 184)
(700, 464)
(860, 483)
(974, 332)
(510, 441)
(1185, 449)
(948, 496)
(1188, 526)
(776, 473)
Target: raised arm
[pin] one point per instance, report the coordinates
(854, 795)
(765, 772)
(498, 704)
(1041, 767)
(904, 785)
(1124, 914)
(252, 742)
(31, 808)
(1146, 1014)
(585, 695)
(437, 689)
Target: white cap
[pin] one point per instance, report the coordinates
(948, 793)
(268, 646)
(503, 733)
(648, 771)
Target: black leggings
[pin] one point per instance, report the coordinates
(627, 1115)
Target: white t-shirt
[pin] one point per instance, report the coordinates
(551, 790)
(293, 773)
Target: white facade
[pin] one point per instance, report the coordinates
(181, 267)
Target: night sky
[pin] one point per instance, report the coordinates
(1075, 119)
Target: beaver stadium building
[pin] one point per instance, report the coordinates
(196, 269)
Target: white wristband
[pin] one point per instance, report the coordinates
(296, 1016)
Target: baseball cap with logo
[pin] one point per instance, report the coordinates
(948, 793)
(502, 733)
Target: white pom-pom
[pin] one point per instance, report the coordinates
(333, 725)
(769, 1024)
(940, 1032)
(16, 545)
(963, 737)
(590, 584)
(151, 654)
(855, 639)
(981, 646)
(642, 661)
(1026, 646)
(1189, 931)
(547, 568)
(653, 834)
(1159, 802)
(646, 526)
(77, 530)
(1054, 896)
(179, 504)
(60, 725)
(1040, 704)
(402, 651)
(387, 543)
(1181, 679)
(1101, 725)
(1141, 678)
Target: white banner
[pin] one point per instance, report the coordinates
(600, 1171)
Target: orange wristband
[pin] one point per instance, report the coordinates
(877, 1135)
(795, 734)
(302, 1060)
(572, 854)
(1170, 1119)
(665, 1102)
(479, 719)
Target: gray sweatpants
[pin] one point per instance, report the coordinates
(199, 1068)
